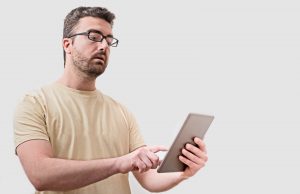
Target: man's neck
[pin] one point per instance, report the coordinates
(76, 81)
(80, 85)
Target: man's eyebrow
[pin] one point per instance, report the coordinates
(98, 31)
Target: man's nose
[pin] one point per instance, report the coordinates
(103, 45)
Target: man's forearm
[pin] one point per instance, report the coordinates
(49, 173)
(158, 182)
(61, 174)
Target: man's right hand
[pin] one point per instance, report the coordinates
(141, 159)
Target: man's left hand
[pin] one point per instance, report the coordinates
(194, 157)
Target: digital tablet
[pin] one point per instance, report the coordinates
(195, 125)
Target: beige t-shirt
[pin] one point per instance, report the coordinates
(80, 125)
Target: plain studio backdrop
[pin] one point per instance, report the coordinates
(236, 60)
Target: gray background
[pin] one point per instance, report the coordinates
(237, 60)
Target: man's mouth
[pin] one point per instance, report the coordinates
(99, 58)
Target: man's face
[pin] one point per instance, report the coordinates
(89, 57)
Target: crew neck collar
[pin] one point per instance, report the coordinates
(80, 92)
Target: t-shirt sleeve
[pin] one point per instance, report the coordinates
(29, 120)
(135, 137)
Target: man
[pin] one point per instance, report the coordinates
(71, 138)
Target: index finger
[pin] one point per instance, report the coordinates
(200, 143)
(158, 148)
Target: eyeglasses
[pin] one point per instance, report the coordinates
(97, 36)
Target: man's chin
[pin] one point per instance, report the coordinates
(97, 61)
(95, 72)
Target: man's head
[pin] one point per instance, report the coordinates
(87, 38)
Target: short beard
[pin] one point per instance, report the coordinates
(84, 66)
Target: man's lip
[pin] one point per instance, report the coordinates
(101, 58)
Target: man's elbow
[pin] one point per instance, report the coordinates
(153, 189)
(39, 178)
(38, 184)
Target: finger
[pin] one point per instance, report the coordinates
(138, 148)
(200, 144)
(192, 148)
(194, 158)
(158, 148)
(196, 151)
(154, 159)
(145, 159)
(140, 166)
(188, 162)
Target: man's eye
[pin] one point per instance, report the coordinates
(95, 37)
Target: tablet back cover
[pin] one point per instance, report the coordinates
(195, 125)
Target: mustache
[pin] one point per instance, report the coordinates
(102, 52)
(100, 55)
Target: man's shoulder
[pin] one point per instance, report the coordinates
(35, 95)
(113, 102)
(110, 100)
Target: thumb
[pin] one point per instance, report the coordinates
(159, 163)
(158, 148)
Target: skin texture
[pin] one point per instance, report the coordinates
(85, 61)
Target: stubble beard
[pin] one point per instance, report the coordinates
(87, 67)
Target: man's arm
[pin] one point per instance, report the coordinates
(48, 173)
(194, 157)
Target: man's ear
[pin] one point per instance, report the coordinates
(67, 44)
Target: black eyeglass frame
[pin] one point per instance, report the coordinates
(114, 44)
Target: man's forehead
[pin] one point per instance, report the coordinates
(88, 23)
